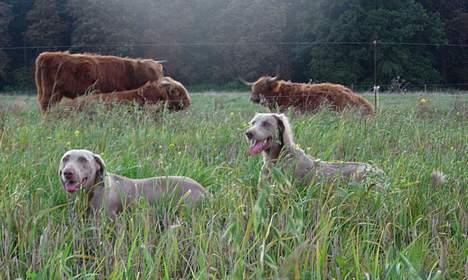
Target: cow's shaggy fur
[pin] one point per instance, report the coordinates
(61, 74)
(164, 91)
(278, 94)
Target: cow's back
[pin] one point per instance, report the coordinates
(61, 74)
(309, 97)
(119, 74)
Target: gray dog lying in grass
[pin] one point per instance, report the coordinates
(82, 169)
(271, 135)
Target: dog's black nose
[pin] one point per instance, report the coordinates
(249, 134)
(68, 174)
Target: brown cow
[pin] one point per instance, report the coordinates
(61, 74)
(277, 94)
(164, 91)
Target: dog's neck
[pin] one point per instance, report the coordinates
(277, 149)
(273, 153)
(96, 189)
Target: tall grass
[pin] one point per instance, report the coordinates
(411, 230)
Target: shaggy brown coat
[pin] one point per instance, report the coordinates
(61, 74)
(164, 91)
(277, 94)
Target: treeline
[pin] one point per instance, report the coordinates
(214, 42)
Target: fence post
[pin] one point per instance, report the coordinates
(375, 73)
(25, 59)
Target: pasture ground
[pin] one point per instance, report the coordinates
(323, 231)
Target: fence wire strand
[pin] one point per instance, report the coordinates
(201, 44)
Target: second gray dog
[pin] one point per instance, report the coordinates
(271, 135)
(82, 169)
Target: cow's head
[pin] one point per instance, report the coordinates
(150, 93)
(178, 97)
(262, 89)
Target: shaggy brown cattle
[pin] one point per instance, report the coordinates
(61, 74)
(164, 91)
(277, 94)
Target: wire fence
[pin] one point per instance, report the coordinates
(188, 44)
(24, 57)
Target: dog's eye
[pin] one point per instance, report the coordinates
(265, 124)
(65, 159)
(82, 159)
(253, 122)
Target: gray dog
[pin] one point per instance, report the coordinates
(271, 135)
(82, 169)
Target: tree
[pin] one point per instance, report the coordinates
(45, 26)
(453, 60)
(457, 32)
(364, 21)
(169, 32)
(105, 25)
(203, 41)
(152, 29)
(249, 33)
(6, 17)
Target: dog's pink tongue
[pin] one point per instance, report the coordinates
(256, 148)
(71, 187)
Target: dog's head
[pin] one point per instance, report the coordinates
(80, 169)
(266, 130)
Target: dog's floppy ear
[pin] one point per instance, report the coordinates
(100, 167)
(284, 129)
(60, 166)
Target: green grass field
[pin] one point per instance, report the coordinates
(412, 230)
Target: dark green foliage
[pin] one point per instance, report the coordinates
(45, 26)
(215, 42)
(244, 23)
(365, 21)
(453, 61)
(5, 18)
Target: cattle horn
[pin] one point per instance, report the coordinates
(165, 83)
(245, 82)
(273, 79)
(161, 61)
